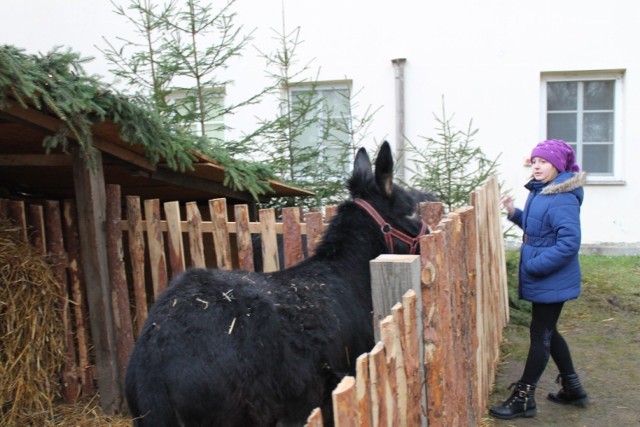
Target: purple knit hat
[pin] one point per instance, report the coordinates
(558, 153)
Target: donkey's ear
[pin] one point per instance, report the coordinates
(362, 164)
(384, 169)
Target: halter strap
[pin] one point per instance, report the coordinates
(389, 232)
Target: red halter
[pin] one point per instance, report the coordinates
(389, 232)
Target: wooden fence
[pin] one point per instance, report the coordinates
(452, 320)
(453, 323)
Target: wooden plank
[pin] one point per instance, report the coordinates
(243, 238)
(17, 212)
(397, 407)
(380, 388)
(485, 329)
(411, 344)
(119, 287)
(363, 390)
(471, 341)
(58, 261)
(315, 419)
(270, 261)
(432, 213)
(155, 243)
(36, 225)
(433, 353)
(448, 325)
(458, 299)
(196, 244)
(174, 238)
(136, 255)
(314, 230)
(207, 227)
(218, 210)
(291, 236)
(91, 205)
(498, 240)
(391, 277)
(398, 339)
(344, 403)
(72, 241)
(466, 374)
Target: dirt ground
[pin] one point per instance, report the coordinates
(603, 331)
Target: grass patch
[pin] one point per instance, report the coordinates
(607, 283)
(608, 306)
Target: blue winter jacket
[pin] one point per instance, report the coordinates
(549, 265)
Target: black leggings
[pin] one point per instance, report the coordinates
(546, 341)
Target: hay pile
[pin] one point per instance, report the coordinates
(31, 332)
(85, 415)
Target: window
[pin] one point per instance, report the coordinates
(583, 109)
(188, 110)
(324, 139)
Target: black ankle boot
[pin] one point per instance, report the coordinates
(571, 393)
(521, 403)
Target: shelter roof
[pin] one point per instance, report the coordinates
(48, 98)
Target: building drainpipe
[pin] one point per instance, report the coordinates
(398, 65)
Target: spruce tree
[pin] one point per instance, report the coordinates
(308, 143)
(450, 165)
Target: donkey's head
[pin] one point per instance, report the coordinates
(391, 207)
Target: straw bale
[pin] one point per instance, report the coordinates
(85, 415)
(31, 332)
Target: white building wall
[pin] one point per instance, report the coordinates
(484, 57)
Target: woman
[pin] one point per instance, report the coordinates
(549, 272)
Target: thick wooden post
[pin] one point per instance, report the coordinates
(118, 278)
(391, 277)
(91, 203)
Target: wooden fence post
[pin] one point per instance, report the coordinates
(58, 262)
(136, 254)
(119, 289)
(344, 403)
(218, 210)
(270, 260)
(155, 242)
(91, 204)
(243, 238)
(174, 238)
(391, 277)
(363, 391)
(78, 293)
(291, 236)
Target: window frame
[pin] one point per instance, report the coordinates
(617, 75)
(219, 124)
(319, 86)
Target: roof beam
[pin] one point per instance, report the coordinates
(35, 160)
(36, 118)
(195, 183)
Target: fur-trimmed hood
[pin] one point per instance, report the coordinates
(566, 182)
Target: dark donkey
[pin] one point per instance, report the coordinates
(234, 348)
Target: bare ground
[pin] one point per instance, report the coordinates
(602, 328)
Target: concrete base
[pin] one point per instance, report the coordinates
(604, 249)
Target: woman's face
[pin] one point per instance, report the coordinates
(543, 170)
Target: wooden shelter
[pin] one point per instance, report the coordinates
(96, 155)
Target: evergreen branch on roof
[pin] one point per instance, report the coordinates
(56, 83)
